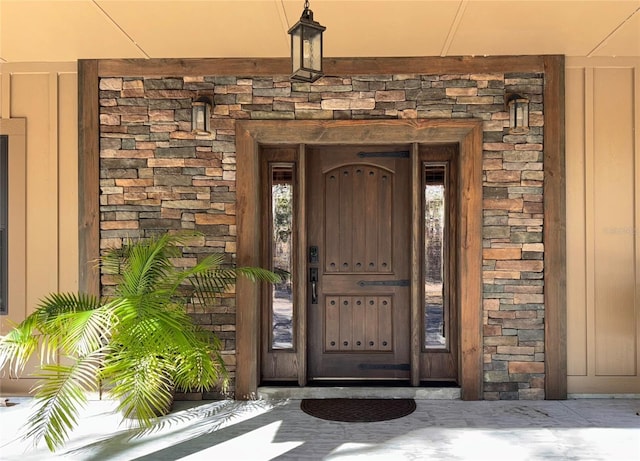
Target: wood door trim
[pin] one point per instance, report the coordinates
(470, 264)
(466, 132)
(416, 263)
(278, 363)
(441, 364)
(301, 269)
(88, 176)
(555, 220)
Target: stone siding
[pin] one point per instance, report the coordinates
(156, 176)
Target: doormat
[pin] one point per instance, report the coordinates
(358, 410)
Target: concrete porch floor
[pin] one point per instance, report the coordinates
(585, 429)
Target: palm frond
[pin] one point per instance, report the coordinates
(199, 368)
(158, 307)
(146, 265)
(142, 264)
(60, 303)
(141, 341)
(61, 319)
(87, 331)
(144, 387)
(209, 279)
(256, 274)
(16, 348)
(60, 395)
(42, 328)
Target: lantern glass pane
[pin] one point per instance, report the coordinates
(200, 118)
(512, 114)
(518, 116)
(207, 118)
(195, 116)
(295, 50)
(312, 48)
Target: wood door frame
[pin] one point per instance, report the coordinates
(432, 361)
(276, 363)
(467, 133)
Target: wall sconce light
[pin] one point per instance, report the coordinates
(201, 115)
(306, 47)
(518, 107)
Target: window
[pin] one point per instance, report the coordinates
(4, 204)
(281, 183)
(435, 256)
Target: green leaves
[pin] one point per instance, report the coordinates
(60, 395)
(16, 348)
(46, 327)
(141, 342)
(209, 278)
(144, 386)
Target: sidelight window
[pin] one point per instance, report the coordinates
(435, 256)
(282, 248)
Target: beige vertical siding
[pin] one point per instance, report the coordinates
(43, 195)
(603, 149)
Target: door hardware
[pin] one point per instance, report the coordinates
(384, 366)
(314, 258)
(384, 283)
(313, 278)
(401, 154)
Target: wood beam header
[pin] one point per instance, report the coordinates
(332, 66)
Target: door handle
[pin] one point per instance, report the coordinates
(313, 279)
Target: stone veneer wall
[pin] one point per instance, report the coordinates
(156, 176)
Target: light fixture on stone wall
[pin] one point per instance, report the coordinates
(518, 107)
(201, 115)
(306, 47)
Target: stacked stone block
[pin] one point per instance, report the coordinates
(513, 253)
(156, 176)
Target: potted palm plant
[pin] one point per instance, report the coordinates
(138, 344)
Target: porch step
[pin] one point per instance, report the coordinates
(417, 393)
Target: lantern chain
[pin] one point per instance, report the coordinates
(306, 4)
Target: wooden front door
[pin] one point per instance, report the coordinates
(358, 262)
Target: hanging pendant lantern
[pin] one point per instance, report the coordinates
(306, 47)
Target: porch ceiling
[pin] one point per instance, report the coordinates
(66, 30)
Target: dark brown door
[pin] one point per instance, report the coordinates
(359, 234)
